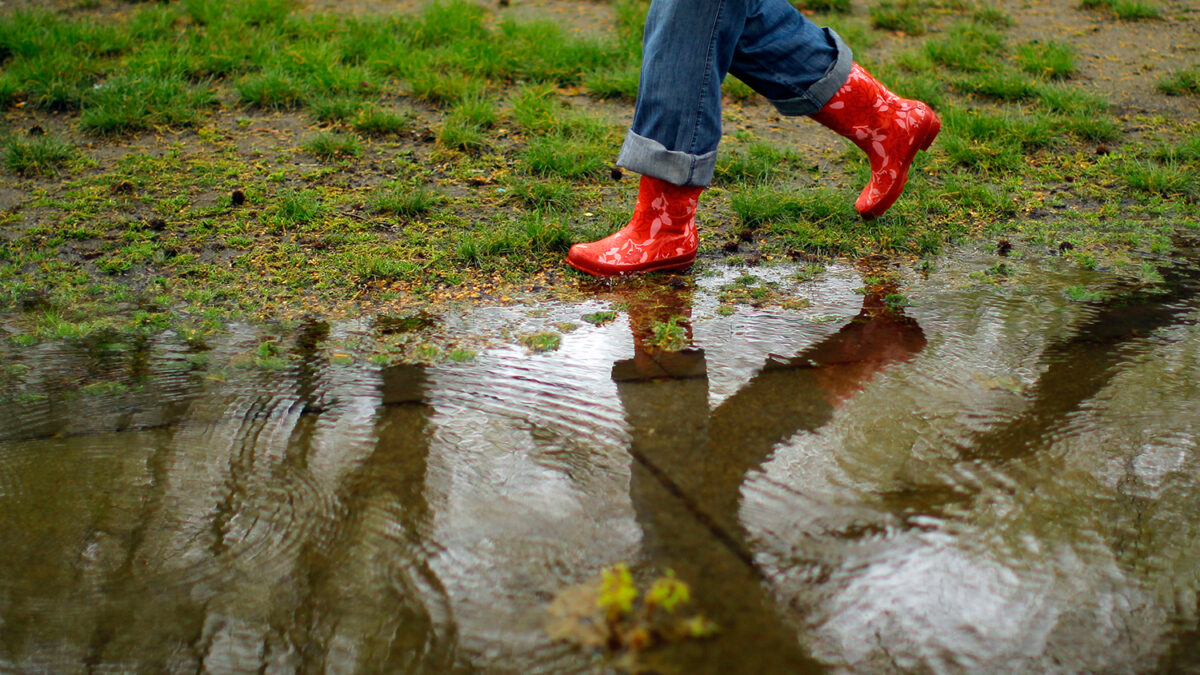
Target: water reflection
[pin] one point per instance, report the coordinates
(990, 480)
(691, 462)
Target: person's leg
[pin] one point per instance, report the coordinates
(687, 48)
(781, 55)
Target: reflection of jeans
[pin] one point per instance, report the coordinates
(690, 45)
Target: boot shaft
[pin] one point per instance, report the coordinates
(664, 207)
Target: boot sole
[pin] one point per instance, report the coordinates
(932, 127)
(667, 264)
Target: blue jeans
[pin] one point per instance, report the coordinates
(688, 48)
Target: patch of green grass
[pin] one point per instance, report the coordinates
(993, 16)
(766, 206)
(40, 155)
(670, 335)
(385, 268)
(135, 102)
(1052, 60)
(1181, 83)
(618, 82)
(600, 318)
(905, 16)
(756, 164)
(543, 194)
(577, 151)
(1162, 179)
(333, 145)
(840, 6)
(1005, 85)
(272, 89)
(460, 355)
(336, 109)
(402, 199)
(1128, 10)
(441, 88)
(737, 90)
(534, 234)
(967, 47)
(378, 122)
(536, 107)
(1084, 294)
(546, 341)
(458, 133)
(300, 206)
(475, 110)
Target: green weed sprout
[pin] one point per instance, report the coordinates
(617, 593)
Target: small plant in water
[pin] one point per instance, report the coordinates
(599, 318)
(546, 341)
(606, 613)
(1084, 294)
(670, 335)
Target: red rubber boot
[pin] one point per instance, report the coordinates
(888, 128)
(661, 235)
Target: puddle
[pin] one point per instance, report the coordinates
(980, 474)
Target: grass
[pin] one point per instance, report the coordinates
(333, 145)
(376, 121)
(1052, 60)
(400, 199)
(1127, 10)
(464, 151)
(1184, 82)
(546, 341)
(755, 164)
(37, 156)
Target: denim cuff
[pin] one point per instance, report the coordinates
(823, 89)
(651, 158)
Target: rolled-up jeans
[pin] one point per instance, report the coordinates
(688, 48)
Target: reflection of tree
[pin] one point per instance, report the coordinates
(373, 594)
(690, 464)
(281, 524)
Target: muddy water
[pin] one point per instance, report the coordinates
(993, 478)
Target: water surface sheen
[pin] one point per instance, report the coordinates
(992, 479)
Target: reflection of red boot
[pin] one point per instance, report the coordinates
(888, 128)
(661, 235)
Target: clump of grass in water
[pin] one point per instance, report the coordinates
(600, 318)
(670, 335)
(546, 341)
(42, 155)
